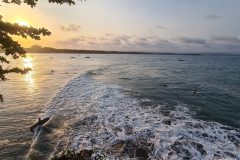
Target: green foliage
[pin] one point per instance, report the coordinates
(33, 3)
(12, 47)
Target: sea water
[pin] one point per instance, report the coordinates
(118, 105)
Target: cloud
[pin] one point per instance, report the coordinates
(188, 40)
(72, 42)
(109, 34)
(71, 28)
(116, 42)
(152, 43)
(223, 39)
(212, 17)
(160, 27)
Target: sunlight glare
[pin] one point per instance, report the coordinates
(28, 78)
(28, 62)
(22, 23)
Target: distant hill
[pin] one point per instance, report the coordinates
(40, 49)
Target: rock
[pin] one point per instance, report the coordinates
(85, 154)
(199, 147)
(180, 150)
(146, 103)
(117, 129)
(167, 121)
(141, 153)
(128, 129)
(88, 120)
(72, 155)
(93, 141)
(132, 148)
(118, 146)
(205, 135)
(198, 126)
(230, 155)
(165, 113)
(217, 156)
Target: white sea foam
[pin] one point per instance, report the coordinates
(102, 117)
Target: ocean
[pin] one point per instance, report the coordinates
(123, 106)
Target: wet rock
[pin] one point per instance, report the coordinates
(118, 146)
(88, 120)
(93, 141)
(131, 149)
(233, 139)
(72, 155)
(217, 156)
(230, 154)
(198, 126)
(180, 150)
(205, 135)
(199, 147)
(141, 153)
(226, 128)
(167, 121)
(117, 129)
(146, 103)
(165, 113)
(128, 129)
(85, 154)
(170, 153)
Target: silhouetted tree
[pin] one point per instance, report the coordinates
(12, 47)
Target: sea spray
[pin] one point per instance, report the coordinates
(89, 114)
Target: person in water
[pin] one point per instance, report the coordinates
(1, 97)
(195, 91)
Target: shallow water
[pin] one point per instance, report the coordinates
(120, 104)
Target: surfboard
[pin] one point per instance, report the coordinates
(36, 131)
(38, 124)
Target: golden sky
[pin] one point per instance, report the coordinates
(138, 25)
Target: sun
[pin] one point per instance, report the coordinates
(22, 23)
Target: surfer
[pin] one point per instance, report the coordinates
(39, 123)
(165, 85)
(1, 97)
(195, 91)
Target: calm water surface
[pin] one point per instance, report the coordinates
(131, 96)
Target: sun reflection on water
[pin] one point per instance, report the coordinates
(28, 63)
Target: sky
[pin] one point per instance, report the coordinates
(134, 25)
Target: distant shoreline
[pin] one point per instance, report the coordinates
(38, 49)
(114, 52)
(47, 50)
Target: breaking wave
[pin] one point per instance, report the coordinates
(114, 122)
